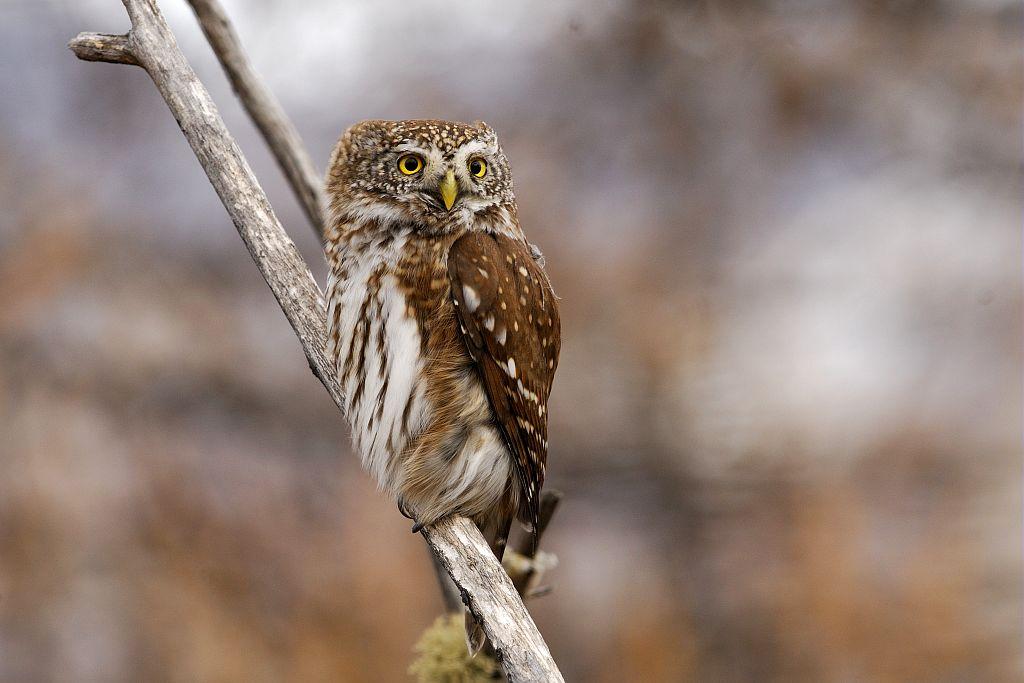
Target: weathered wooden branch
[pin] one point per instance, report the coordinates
(451, 596)
(485, 587)
(103, 47)
(520, 649)
(152, 46)
(265, 111)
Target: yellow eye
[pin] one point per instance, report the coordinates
(410, 164)
(478, 167)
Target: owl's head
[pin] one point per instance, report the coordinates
(432, 175)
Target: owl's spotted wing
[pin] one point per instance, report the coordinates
(509, 321)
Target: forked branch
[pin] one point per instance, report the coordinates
(485, 587)
(265, 111)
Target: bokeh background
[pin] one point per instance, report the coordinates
(787, 238)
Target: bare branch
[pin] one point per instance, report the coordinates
(265, 111)
(102, 47)
(525, 574)
(154, 47)
(522, 652)
(458, 544)
(449, 591)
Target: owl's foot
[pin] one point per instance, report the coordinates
(418, 526)
(404, 509)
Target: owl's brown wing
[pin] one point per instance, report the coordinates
(509, 321)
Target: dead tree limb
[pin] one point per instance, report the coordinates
(265, 111)
(103, 47)
(485, 587)
(151, 45)
(521, 650)
(451, 596)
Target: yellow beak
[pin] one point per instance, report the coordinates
(449, 189)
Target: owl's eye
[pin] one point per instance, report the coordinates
(478, 167)
(410, 164)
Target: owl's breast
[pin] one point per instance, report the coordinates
(392, 334)
(376, 342)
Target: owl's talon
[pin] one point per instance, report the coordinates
(418, 526)
(408, 515)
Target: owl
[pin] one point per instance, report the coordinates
(442, 323)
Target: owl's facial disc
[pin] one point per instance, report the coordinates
(434, 175)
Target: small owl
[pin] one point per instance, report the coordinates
(443, 324)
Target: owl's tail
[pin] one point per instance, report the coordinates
(496, 537)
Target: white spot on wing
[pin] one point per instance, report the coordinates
(471, 297)
(511, 367)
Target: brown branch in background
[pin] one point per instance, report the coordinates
(265, 111)
(522, 566)
(484, 586)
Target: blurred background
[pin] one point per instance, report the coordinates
(787, 420)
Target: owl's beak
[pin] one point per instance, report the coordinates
(449, 189)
